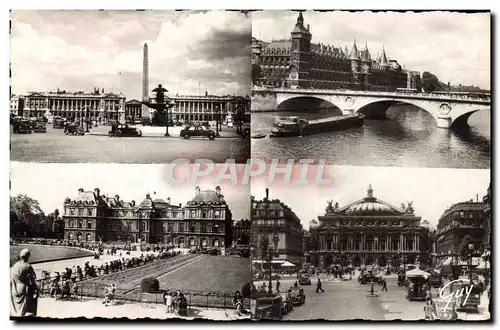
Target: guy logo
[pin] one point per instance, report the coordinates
(456, 293)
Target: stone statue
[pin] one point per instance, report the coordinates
(403, 206)
(370, 191)
(329, 206)
(336, 206)
(409, 208)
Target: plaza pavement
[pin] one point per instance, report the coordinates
(96, 147)
(348, 300)
(50, 307)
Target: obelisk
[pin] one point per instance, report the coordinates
(145, 82)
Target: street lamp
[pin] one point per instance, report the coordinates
(217, 117)
(270, 252)
(471, 248)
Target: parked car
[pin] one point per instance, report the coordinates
(286, 303)
(40, 126)
(191, 131)
(22, 126)
(297, 296)
(124, 130)
(58, 122)
(74, 129)
(435, 281)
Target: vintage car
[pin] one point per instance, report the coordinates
(22, 125)
(74, 129)
(266, 307)
(368, 278)
(297, 296)
(304, 279)
(124, 130)
(40, 126)
(191, 131)
(435, 280)
(286, 303)
(58, 122)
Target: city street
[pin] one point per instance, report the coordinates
(348, 300)
(153, 148)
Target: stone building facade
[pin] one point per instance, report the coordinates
(299, 63)
(273, 218)
(204, 221)
(368, 231)
(75, 105)
(461, 219)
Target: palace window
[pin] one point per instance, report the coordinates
(80, 224)
(203, 227)
(169, 228)
(72, 211)
(181, 227)
(191, 229)
(204, 214)
(215, 228)
(174, 214)
(89, 212)
(193, 214)
(89, 225)
(216, 214)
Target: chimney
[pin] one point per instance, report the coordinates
(148, 196)
(117, 198)
(267, 194)
(197, 190)
(96, 192)
(180, 204)
(133, 203)
(168, 200)
(217, 190)
(206, 93)
(80, 190)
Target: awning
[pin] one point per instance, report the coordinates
(287, 264)
(447, 262)
(484, 265)
(276, 262)
(417, 273)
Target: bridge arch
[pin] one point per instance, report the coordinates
(461, 121)
(377, 109)
(308, 103)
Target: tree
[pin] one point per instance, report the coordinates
(26, 208)
(464, 247)
(430, 82)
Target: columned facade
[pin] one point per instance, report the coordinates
(95, 105)
(207, 107)
(368, 232)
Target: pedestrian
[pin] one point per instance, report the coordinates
(278, 284)
(23, 288)
(384, 285)
(168, 302)
(319, 286)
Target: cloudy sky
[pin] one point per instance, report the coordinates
(432, 190)
(77, 50)
(50, 184)
(453, 46)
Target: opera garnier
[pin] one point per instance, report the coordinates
(369, 231)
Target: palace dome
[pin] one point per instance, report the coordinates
(371, 205)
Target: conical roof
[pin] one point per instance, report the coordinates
(354, 55)
(383, 59)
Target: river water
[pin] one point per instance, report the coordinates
(409, 137)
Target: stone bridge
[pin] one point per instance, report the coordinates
(447, 109)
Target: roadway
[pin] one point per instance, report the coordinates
(95, 147)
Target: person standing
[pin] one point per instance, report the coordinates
(278, 284)
(384, 285)
(23, 288)
(319, 286)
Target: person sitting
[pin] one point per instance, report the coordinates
(66, 290)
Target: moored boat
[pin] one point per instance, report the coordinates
(295, 126)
